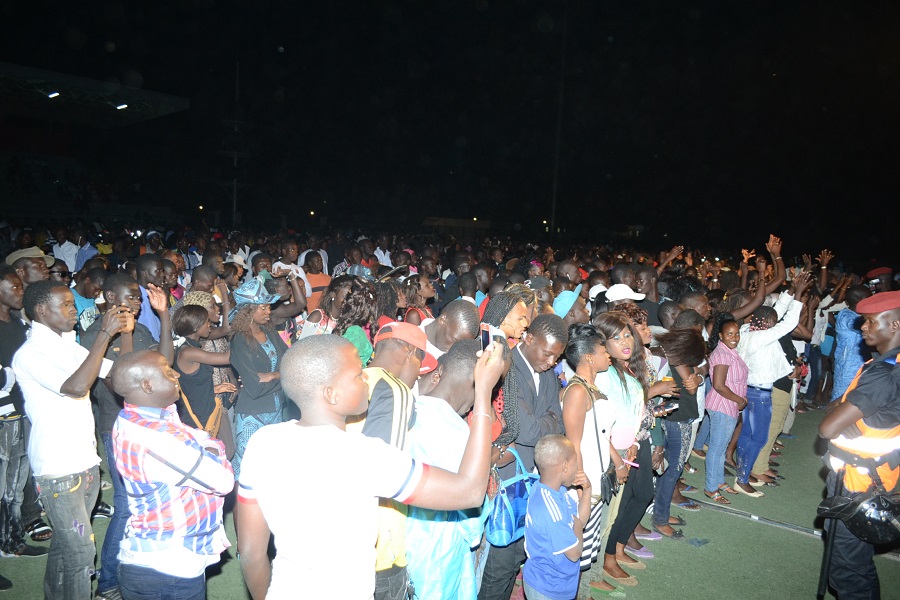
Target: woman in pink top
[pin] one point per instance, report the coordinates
(724, 401)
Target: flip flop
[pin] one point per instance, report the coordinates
(688, 489)
(688, 505)
(616, 592)
(678, 521)
(717, 497)
(727, 488)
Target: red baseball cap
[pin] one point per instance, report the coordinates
(413, 336)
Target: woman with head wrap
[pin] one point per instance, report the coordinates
(256, 352)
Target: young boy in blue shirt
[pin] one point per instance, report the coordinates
(554, 523)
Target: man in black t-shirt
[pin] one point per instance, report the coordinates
(14, 467)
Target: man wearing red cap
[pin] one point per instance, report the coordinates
(864, 434)
(395, 366)
(879, 279)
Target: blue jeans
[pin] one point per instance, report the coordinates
(721, 426)
(533, 594)
(13, 478)
(755, 432)
(142, 583)
(69, 500)
(109, 554)
(702, 433)
(678, 436)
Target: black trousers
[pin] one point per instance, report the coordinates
(852, 572)
(500, 571)
(637, 493)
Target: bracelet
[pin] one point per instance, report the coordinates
(481, 414)
(823, 267)
(106, 332)
(622, 467)
(778, 258)
(637, 445)
(715, 279)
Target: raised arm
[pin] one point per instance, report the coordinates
(443, 490)
(159, 301)
(117, 319)
(825, 257)
(774, 248)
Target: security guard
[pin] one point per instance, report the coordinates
(864, 430)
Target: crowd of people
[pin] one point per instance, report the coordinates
(358, 401)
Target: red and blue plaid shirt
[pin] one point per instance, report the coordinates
(174, 482)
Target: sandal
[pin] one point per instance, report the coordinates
(688, 505)
(717, 497)
(727, 488)
(688, 489)
(39, 531)
(689, 468)
(675, 535)
(678, 521)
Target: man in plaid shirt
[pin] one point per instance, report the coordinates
(175, 477)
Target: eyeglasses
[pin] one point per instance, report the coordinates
(63, 274)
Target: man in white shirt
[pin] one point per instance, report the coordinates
(56, 375)
(290, 252)
(766, 362)
(323, 512)
(65, 250)
(315, 246)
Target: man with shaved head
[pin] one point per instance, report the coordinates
(176, 478)
(323, 511)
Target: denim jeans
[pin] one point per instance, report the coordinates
(142, 583)
(721, 426)
(500, 571)
(109, 554)
(69, 500)
(533, 594)
(392, 584)
(13, 478)
(702, 433)
(678, 436)
(755, 431)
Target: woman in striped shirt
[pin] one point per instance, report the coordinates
(724, 402)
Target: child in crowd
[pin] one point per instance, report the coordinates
(554, 523)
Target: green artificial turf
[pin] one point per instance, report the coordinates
(743, 558)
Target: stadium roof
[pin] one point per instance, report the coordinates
(36, 93)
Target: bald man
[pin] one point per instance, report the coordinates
(176, 478)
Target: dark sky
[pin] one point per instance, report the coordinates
(713, 122)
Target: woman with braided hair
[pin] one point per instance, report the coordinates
(356, 321)
(506, 311)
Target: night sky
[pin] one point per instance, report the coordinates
(712, 123)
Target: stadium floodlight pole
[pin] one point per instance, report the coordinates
(559, 115)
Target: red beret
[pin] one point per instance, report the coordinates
(879, 303)
(877, 272)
